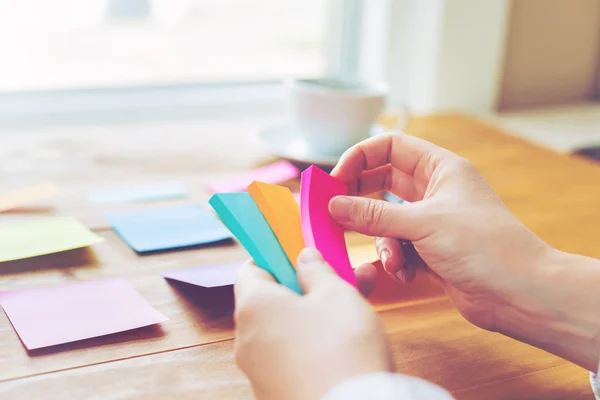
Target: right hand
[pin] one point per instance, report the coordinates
(460, 229)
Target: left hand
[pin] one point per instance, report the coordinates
(299, 347)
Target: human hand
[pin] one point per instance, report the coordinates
(299, 347)
(460, 229)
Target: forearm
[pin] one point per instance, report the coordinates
(560, 313)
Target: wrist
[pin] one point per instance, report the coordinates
(558, 310)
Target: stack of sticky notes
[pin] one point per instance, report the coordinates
(53, 315)
(18, 197)
(139, 193)
(277, 172)
(26, 238)
(273, 228)
(206, 276)
(166, 228)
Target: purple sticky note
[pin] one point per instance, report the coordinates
(53, 315)
(207, 276)
(275, 173)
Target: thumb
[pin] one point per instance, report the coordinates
(313, 271)
(376, 217)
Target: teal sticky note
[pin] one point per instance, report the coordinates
(241, 215)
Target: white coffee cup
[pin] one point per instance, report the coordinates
(333, 114)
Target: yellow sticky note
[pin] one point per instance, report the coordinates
(18, 197)
(280, 209)
(35, 237)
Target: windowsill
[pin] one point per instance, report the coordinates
(564, 129)
(30, 110)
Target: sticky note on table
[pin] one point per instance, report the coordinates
(168, 227)
(278, 172)
(52, 315)
(38, 236)
(138, 193)
(280, 209)
(319, 229)
(207, 276)
(243, 217)
(19, 197)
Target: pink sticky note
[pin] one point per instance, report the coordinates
(319, 229)
(53, 315)
(275, 173)
(207, 276)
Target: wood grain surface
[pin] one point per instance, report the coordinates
(190, 356)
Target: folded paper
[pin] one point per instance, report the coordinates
(138, 193)
(168, 228)
(243, 217)
(207, 276)
(19, 197)
(319, 229)
(52, 315)
(278, 172)
(280, 209)
(38, 236)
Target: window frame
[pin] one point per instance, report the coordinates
(426, 49)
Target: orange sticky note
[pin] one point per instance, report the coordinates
(282, 212)
(18, 197)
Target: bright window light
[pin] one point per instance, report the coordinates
(76, 44)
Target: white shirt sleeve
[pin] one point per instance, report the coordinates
(389, 386)
(595, 379)
(386, 386)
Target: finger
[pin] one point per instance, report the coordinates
(371, 181)
(379, 218)
(366, 278)
(313, 271)
(412, 264)
(391, 254)
(406, 153)
(251, 279)
(388, 179)
(407, 274)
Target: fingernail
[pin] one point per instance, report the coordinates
(340, 208)
(309, 255)
(385, 255)
(401, 276)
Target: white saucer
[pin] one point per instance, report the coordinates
(286, 142)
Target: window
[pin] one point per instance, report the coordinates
(82, 44)
(88, 57)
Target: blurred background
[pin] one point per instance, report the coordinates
(81, 44)
(531, 65)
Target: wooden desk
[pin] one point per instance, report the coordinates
(190, 356)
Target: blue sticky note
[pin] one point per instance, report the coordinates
(243, 217)
(392, 198)
(152, 192)
(168, 227)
